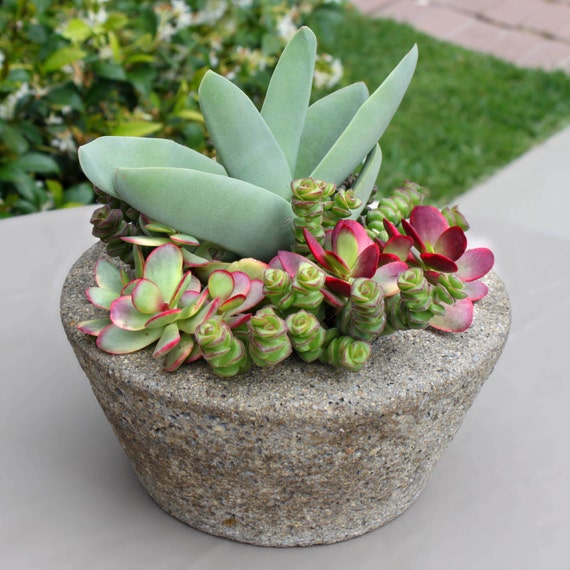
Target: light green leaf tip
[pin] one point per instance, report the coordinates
(325, 121)
(243, 141)
(289, 92)
(100, 158)
(239, 216)
(368, 125)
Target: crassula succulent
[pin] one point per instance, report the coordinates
(275, 246)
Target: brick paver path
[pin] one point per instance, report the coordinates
(529, 33)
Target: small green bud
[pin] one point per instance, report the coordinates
(307, 190)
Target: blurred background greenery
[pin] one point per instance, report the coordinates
(75, 70)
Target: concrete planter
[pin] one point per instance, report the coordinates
(298, 454)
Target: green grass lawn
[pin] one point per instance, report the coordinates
(465, 114)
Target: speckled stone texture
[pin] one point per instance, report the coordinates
(298, 454)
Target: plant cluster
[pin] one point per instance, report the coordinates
(274, 247)
(73, 71)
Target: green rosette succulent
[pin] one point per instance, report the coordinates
(258, 154)
(364, 316)
(226, 354)
(268, 340)
(346, 352)
(307, 335)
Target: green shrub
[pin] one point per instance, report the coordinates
(76, 70)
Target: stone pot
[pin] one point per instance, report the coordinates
(297, 454)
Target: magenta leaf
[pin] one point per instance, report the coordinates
(254, 295)
(413, 234)
(390, 228)
(387, 277)
(314, 246)
(348, 240)
(290, 262)
(399, 246)
(475, 263)
(457, 318)
(115, 340)
(475, 290)
(452, 243)
(439, 262)
(367, 262)
(242, 283)
(337, 285)
(429, 223)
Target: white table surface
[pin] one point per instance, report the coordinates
(499, 499)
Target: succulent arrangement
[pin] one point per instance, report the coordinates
(274, 247)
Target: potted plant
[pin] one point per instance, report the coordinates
(260, 349)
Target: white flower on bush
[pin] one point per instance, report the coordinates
(255, 59)
(328, 71)
(182, 14)
(65, 143)
(8, 107)
(211, 13)
(286, 27)
(243, 3)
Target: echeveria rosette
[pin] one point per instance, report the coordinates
(146, 309)
(166, 305)
(443, 249)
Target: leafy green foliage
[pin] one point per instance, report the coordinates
(73, 71)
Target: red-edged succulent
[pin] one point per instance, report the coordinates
(442, 249)
(165, 304)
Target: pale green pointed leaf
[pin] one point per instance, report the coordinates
(367, 179)
(325, 121)
(243, 141)
(101, 157)
(368, 125)
(289, 91)
(231, 213)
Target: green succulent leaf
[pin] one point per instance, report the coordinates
(168, 340)
(367, 179)
(115, 340)
(164, 267)
(256, 222)
(101, 157)
(368, 125)
(289, 91)
(319, 132)
(108, 276)
(244, 143)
